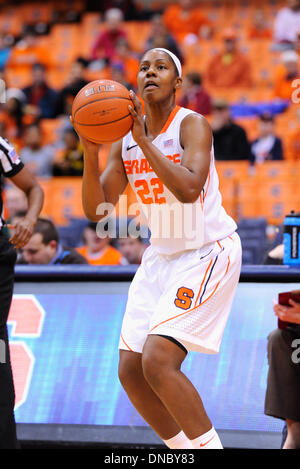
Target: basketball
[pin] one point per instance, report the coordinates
(100, 111)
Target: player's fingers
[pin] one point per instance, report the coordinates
(293, 303)
(21, 236)
(132, 112)
(10, 227)
(136, 101)
(280, 309)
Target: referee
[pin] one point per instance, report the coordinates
(12, 167)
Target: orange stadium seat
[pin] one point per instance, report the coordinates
(32, 13)
(11, 21)
(228, 188)
(271, 170)
(138, 32)
(234, 170)
(248, 202)
(57, 77)
(278, 197)
(62, 199)
(18, 79)
(50, 130)
(65, 44)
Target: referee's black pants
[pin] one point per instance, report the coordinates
(8, 438)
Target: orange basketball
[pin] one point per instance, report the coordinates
(100, 111)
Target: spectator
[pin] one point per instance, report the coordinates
(98, 251)
(287, 22)
(161, 37)
(297, 44)
(185, 19)
(38, 158)
(39, 95)
(117, 72)
(283, 384)
(75, 82)
(26, 53)
(260, 28)
(128, 7)
(230, 139)
(68, 161)
(267, 146)
(285, 74)
(194, 96)
(105, 46)
(229, 68)
(44, 247)
(125, 58)
(12, 115)
(132, 249)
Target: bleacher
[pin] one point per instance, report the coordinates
(265, 192)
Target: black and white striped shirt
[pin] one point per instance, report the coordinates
(10, 165)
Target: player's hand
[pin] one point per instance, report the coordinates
(23, 230)
(88, 146)
(288, 313)
(138, 129)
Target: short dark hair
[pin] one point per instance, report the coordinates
(38, 66)
(266, 116)
(47, 229)
(195, 78)
(33, 125)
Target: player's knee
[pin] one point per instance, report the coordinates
(155, 367)
(128, 371)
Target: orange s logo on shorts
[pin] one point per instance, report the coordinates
(184, 298)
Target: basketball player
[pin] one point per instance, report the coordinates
(181, 295)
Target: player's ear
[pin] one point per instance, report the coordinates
(178, 83)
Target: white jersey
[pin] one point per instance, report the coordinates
(175, 226)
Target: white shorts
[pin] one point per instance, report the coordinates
(187, 296)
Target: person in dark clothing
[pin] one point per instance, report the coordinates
(230, 140)
(12, 167)
(39, 94)
(44, 247)
(161, 37)
(267, 146)
(75, 82)
(283, 384)
(68, 161)
(194, 95)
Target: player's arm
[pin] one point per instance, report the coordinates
(186, 180)
(102, 188)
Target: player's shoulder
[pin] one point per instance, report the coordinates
(195, 128)
(195, 119)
